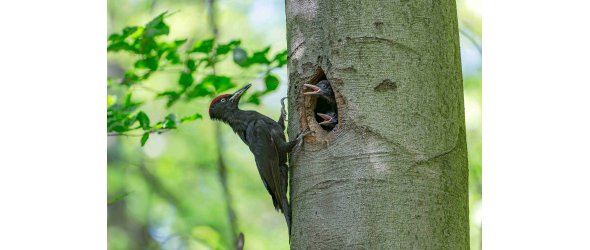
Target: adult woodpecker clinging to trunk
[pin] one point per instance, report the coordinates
(266, 140)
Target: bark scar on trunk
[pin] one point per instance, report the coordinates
(385, 85)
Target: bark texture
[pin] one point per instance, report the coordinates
(393, 174)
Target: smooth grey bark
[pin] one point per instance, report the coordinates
(393, 175)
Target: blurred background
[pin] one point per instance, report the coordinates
(168, 194)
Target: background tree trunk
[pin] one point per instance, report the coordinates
(394, 172)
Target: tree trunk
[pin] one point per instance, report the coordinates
(393, 174)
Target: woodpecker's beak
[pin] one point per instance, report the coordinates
(235, 98)
(316, 89)
(327, 118)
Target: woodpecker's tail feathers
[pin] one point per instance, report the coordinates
(287, 212)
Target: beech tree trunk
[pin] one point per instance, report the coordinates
(393, 174)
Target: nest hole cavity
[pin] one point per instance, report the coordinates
(325, 109)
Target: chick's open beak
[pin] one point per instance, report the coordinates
(327, 118)
(316, 89)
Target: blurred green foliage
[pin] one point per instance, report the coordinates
(143, 205)
(196, 77)
(167, 193)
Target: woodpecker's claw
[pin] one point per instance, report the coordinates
(300, 137)
(316, 89)
(303, 134)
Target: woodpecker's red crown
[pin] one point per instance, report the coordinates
(216, 100)
(224, 104)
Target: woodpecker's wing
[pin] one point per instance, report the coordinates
(266, 154)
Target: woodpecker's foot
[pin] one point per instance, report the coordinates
(297, 142)
(301, 135)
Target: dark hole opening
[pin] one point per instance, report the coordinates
(325, 109)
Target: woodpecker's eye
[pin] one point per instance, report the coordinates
(223, 100)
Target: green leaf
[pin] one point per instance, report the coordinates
(117, 42)
(202, 89)
(150, 63)
(144, 138)
(190, 118)
(254, 98)
(118, 128)
(119, 118)
(186, 79)
(130, 78)
(146, 45)
(172, 97)
(191, 65)
(260, 57)
(156, 27)
(171, 51)
(118, 198)
(129, 31)
(272, 82)
(128, 102)
(213, 84)
(118, 46)
(144, 120)
(114, 38)
(179, 42)
(223, 49)
(205, 46)
(172, 57)
(281, 58)
(221, 83)
(169, 121)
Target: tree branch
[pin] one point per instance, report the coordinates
(158, 131)
(220, 163)
(222, 172)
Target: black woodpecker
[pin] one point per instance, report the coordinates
(266, 140)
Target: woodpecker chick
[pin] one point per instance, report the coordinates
(323, 90)
(330, 120)
(266, 140)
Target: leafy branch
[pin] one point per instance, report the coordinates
(194, 65)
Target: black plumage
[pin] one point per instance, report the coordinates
(266, 140)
